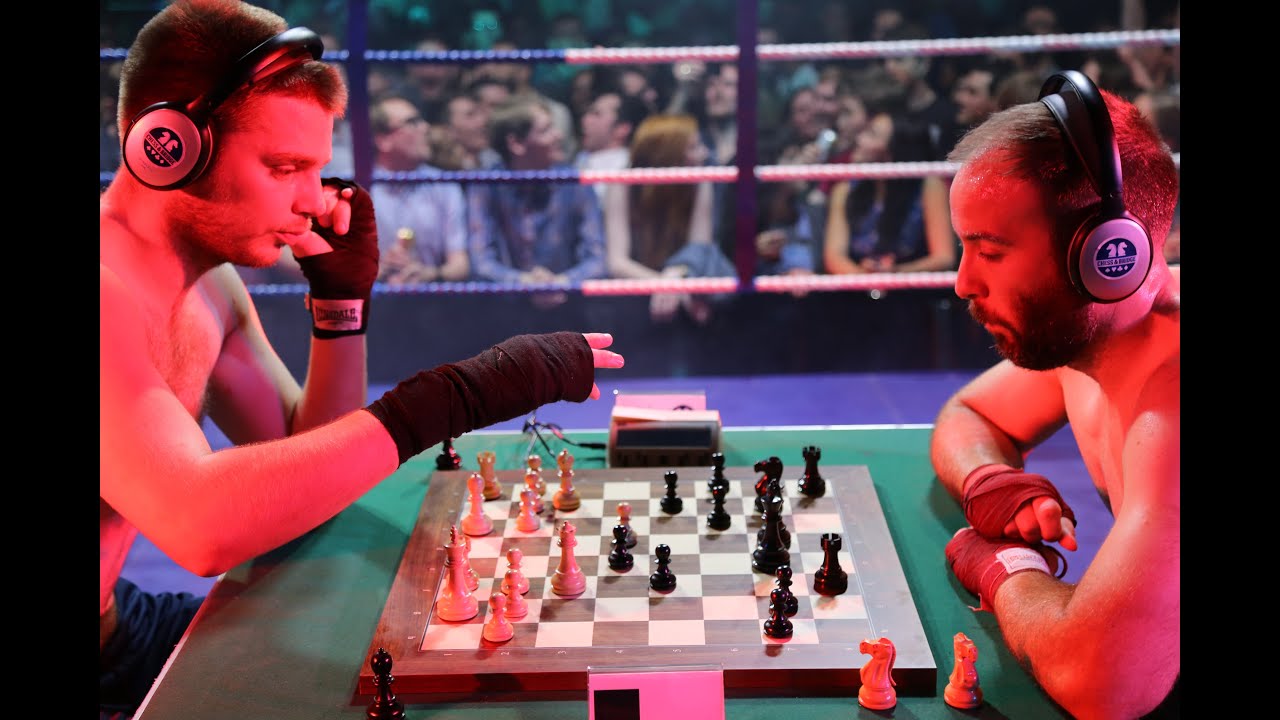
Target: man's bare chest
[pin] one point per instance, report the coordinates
(184, 346)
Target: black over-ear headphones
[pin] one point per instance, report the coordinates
(1110, 254)
(169, 144)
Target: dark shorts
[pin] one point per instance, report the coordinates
(149, 628)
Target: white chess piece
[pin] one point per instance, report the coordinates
(531, 482)
(475, 522)
(455, 602)
(515, 576)
(517, 606)
(486, 460)
(566, 498)
(498, 628)
(528, 520)
(457, 537)
(568, 580)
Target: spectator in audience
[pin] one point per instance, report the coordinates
(974, 92)
(433, 83)
(664, 230)
(889, 225)
(1020, 86)
(467, 121)
(421, 225)
(518, 77)
(535, 232)
(607, 128)
(488, 90)
(922, 102)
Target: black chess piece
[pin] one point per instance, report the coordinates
(620, 558)
(778, 626)
(812, 483)
(719, 518)
(717, 474)
(784, 535)
(671, 503)
(770, 552)
(831, 579)
(772, 470)
(385, 706)
(448, 459)
(790, 604)
(663, 580)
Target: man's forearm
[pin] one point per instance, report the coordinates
(337, 382)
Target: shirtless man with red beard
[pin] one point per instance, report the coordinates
(1063, 265)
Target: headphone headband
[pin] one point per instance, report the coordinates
(275, 54)
(1082, 114)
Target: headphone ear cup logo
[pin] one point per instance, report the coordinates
(1110, 259)
(165, 149)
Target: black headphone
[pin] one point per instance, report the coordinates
(169, 144)
(1110, 254)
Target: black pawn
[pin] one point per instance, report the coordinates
(717, 473)
(620, 558)
(831, 579)
(719, 518)
(663, 580)
(448, 459)
(811, 482)
(777, 626)
(790, 605)
(671, 503)
(384, 706)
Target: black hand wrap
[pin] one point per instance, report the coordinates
(342, 280)
(507, 380)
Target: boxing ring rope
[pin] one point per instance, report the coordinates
(873, 282)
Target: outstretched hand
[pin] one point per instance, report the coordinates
(603, 358)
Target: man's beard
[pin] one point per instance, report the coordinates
(1047, 332)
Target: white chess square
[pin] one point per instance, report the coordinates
(487, 546)
(564, 635)
(725, 607)
(722, 563)
(840, 607)
(586, 509)
(677, 632)
(622, 609)
(816, 523)
(441, 635)
(635, 491)
(679, 544)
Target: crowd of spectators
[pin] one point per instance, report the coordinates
(429, 117)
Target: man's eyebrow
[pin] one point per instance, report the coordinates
(289, 158)
(987, 237)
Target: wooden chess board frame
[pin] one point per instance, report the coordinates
(766, 669)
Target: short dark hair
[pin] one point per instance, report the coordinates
(631, 110)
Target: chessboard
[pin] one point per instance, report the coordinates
(714, 616)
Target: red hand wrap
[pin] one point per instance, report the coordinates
(993, 493)
(983, 565)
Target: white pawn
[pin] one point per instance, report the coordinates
(568, 580)
(498, 628)
(566, 498)
(456, 603)
(528, 521)
(515, 579)
(476, 522)
(517, 606)
(534, 463)
(531, 480)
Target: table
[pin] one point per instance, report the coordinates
(286, 634)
